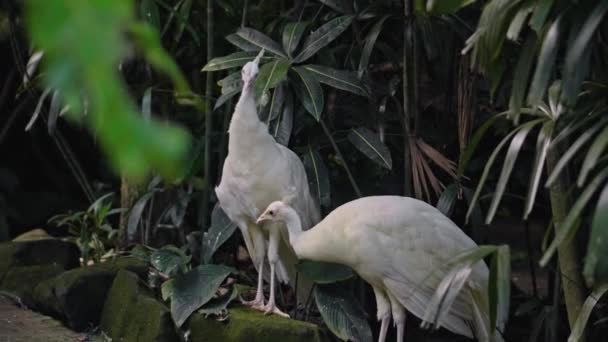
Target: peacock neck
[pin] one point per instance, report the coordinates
(294, 228)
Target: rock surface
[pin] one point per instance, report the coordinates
(131, 313)
(244, 325)
(38, 252)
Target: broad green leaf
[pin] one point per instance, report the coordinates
(149, 11)
(593, 155)
(273, 109)
(242, 43)
(571, 152)
(318, 176)
(169, 260)
(452, 283)
(465, 157)
(324, 272)
(439, 7)
(340, 79)
(578, 330)
(545, 63)
(486, 171)
(166, 289)
(500, 287)
(231, 83)
(521, 77)
(218, 306)
(225, 97)
(282, 126)
(323, 36)
(261, 40)
(221, 229)
(569, 226)
(310, 92)
(542, 146)
(195, 288)
(236, 59)
(342, 6)
(510, 158)
(541, 11)
(595, 264)
(270, 75)
(446, 201)
(292, 33)
(136, 212)
(341, 313)
(370, 41)
(369, 143)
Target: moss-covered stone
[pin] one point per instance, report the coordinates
(38, 252)
(23, 280)
(77, 296)
(132, 314)
(245, 324)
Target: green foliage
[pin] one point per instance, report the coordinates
(221, 229)
(87, 72)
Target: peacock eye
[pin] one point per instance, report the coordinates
(271, 213)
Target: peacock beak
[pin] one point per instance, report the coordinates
(261, 219)
(259, 57)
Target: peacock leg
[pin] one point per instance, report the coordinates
(384, 313)
(259, 253)
(398, 317)
(273, 257)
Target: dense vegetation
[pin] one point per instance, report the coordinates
(494, 111)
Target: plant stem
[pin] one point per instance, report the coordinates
(339, 154)
(409, 95)
(568, 255)
(208, 123)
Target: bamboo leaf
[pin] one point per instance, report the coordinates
(318, 176)
(542, 145)
(584, 313)
(518, 22)
(595, 264)
(261, 40)
(541, 11)
(292, 34)
(544, 66)
(341, 313)
(521, 77)
(500, 287)
(54, 112)
(439, 7)
(310, 91)
(270, 75)
(136, 212)
(369, 143)
(323, 36)
(465, 157)
(236, 59)
(510, 158)
(446, 201)
(370, 41)
(593, 154)
(568, 227)
(339, 79)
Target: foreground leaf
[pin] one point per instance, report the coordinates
(195, 288)
(341, 313)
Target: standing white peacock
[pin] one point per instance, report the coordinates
(403, 248)
(258, 171)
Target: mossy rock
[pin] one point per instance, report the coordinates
(77, 296)
(22, 281)
(245, 325)
(131, 313)
(38, 252)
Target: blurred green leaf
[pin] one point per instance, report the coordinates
(323, 36)
(292, 33)
(369, 143)
(339, 79)
(341, 313)
(324, 272)
(310, 92)
(584, 313)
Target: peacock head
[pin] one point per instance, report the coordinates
(275, 212)
(250, 71)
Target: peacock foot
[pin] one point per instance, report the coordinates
(272, 309)
(257, 303)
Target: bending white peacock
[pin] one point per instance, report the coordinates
(402, 247)
(258, 171)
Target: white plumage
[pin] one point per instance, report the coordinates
(402, 247)
(258, 171)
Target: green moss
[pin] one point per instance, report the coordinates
(245, 324)
(131, 314)
(23, 280)
(7, 250)
(38, 252)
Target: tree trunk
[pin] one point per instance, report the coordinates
(568, 255)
